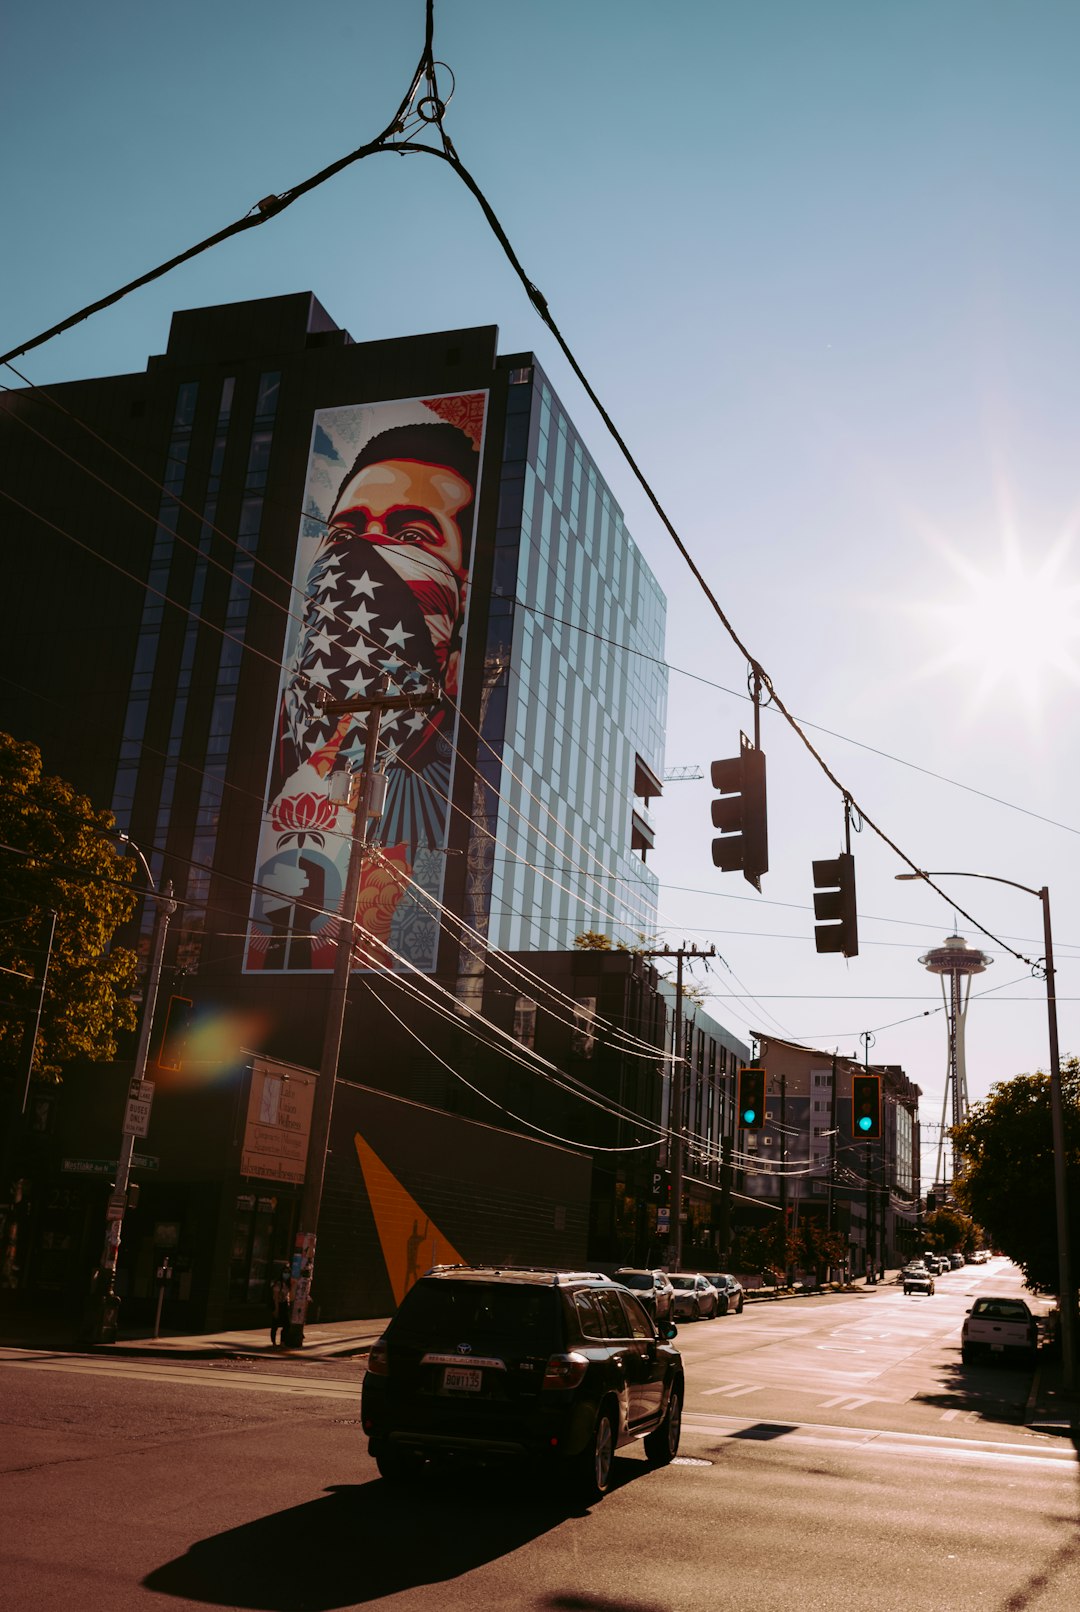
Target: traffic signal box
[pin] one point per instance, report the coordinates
(834, 902)
(740, 814)
(866, 1105)
(750, 1099)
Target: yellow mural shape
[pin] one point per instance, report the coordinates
(410, 1241)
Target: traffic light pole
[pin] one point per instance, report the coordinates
(1066, 1290)
(323, 1106)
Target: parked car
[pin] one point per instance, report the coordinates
(918, 1280)
(695, 1297)
(555, 1368)
(937, 1264)
(995, 1326)
(653, 1289)
(956, 1262)
(729, 1290)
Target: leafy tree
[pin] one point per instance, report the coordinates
(948, 1229)
(817, 1249)
(593, 941)
(55, 856)
(1006, 1181)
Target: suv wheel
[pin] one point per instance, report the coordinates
(597, 1460)
(662, 1444)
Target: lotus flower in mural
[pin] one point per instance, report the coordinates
(302, 817)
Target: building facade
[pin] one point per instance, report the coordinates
(810, 1161)
(268, 519)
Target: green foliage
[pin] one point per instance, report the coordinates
(1006, 1179)
(949, 1229)
(58, 858)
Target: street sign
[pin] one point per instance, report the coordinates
(663, 1219)
(139, 1161)
(137, 1117)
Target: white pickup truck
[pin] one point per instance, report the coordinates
(996, 1326)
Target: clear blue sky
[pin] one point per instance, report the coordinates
(820, 260)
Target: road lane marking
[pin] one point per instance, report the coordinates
(852, 1402)
(879, 1441)
(732, 1390)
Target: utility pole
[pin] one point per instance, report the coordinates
(783, 1177)
(103, 1313)
(678, 1087)
(367, 804)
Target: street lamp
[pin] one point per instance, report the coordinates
(103, 1314)
(1066, 1297)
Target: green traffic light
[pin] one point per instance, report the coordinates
(866, 1123)
(749, 1115)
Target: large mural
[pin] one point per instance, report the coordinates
(380, 584)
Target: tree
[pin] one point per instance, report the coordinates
(56, 857)
(1006, 1180)
(948, 1229)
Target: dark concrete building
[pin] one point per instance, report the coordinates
(197, 557)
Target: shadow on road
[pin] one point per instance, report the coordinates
(361, 1542)
(996, 1392)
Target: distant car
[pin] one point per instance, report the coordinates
(695, 1297)
(980, 1256)
(956, 1262)
(729, 1290)
(652, 1288)
(937, 1264)
(918, 1281)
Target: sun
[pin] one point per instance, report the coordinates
(1013, 627)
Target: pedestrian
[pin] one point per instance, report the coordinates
(280, 1300)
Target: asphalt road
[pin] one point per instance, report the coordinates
(821, 1469)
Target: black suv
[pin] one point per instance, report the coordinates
(557, 1367)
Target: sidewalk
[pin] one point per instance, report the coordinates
(324, 1340)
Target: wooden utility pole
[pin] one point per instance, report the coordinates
(323, 1107)
(676, 1130)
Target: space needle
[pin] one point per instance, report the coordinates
(957, 963)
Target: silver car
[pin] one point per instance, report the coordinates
(695, 1297)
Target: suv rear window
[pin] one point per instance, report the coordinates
(474, 1310)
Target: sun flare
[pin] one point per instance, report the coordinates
(1013, 627)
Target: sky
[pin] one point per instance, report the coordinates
(820, 262)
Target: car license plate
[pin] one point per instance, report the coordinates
(462, 1379)
(1000, 1347)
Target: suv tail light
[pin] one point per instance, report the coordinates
(378, 1363)
(565, 1371)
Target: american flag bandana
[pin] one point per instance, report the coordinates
(370, 608)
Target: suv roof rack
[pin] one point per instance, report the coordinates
(557, 1275)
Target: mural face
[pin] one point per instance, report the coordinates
(380, 584)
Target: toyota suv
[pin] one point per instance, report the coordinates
(558, 1368)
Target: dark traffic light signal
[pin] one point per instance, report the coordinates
(866, 1105)
(750, 1100)
(834, 902)
(740, 814)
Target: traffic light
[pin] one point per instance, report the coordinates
(866, 1105)
(834, 902)
(740, 814)
(750, 1099)
(178, 1022)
